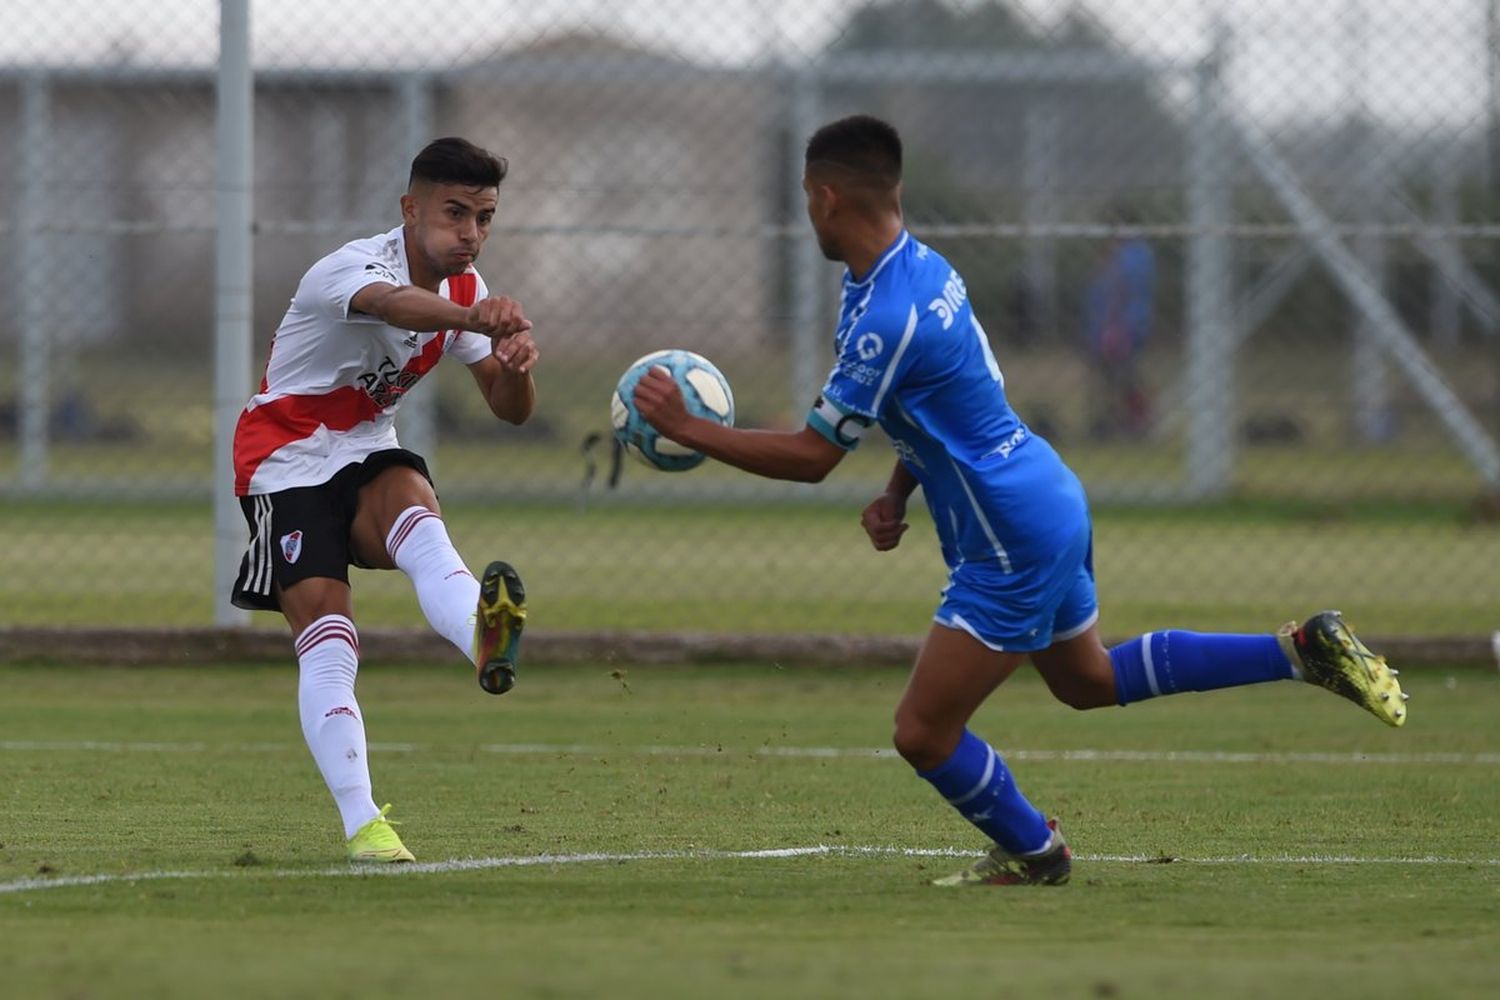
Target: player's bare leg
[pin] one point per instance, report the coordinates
(953, 676)
(308, 600)
(1078, 671)
(320, 612)
(399, 526)
(381, 501)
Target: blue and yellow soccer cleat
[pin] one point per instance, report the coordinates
(497, 627)
(377, 842)
(1331, 656)
(1054, 866)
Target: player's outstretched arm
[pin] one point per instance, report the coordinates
(407, 307)
(803, 456)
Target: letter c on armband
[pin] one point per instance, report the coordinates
(857, 422)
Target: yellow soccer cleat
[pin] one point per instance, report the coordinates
(497, 627)
(1054, 866)
(377, 842)
(1331, 656)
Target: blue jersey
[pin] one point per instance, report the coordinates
(912, 355)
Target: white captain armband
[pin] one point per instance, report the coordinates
(840, 426)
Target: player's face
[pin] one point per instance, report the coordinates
(449, 223)
(820, 204)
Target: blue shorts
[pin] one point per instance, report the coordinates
(1028, 609)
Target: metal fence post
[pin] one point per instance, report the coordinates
(1039, 170)
(34, 248)
(1210, 345)
(1370, 384)
(233, 257)
(806, 262)
(1443, 312)
(416, 421)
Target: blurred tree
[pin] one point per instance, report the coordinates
(934, 24)
(977, 151)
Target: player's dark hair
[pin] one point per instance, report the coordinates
(452, 160)
(862, 144)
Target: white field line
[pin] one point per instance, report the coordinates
(821, 850)
(886, 753)
(870, 753)
(115, 746)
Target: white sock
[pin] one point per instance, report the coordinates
(447, 591)
(328, 652)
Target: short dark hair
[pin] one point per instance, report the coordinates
(860, 143)
(452, 160)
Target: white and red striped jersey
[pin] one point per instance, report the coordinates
(335, 378)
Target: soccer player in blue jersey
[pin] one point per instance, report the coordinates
(1011, 517)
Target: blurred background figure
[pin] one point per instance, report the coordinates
(1117, 313)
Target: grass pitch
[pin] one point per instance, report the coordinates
(610, 815)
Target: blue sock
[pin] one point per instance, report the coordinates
(1161, 663)
(976, 782)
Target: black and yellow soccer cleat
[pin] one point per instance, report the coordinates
(1054, 866)
(1328, 653)
(498, 621)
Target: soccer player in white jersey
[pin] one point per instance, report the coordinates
(324, 484)
(1011, 517)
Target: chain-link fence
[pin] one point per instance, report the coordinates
(1238, 260)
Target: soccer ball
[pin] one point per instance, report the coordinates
(704, 389)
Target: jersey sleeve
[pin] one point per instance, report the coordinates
(874, 358)
(470, 347)
(330, 286)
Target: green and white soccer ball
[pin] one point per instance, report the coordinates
(704, 389)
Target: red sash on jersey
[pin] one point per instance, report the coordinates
(291, 418)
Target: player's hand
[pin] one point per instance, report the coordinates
(516, 352)
(882, 521)
(497, 316)
(660, 402)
